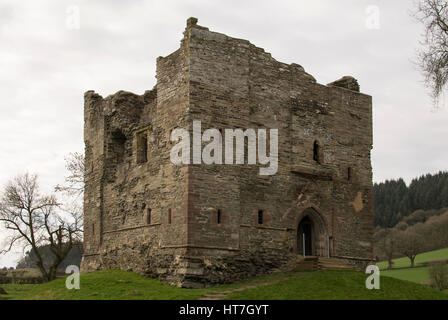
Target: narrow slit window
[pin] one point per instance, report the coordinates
(316, 151)
(169, 137)
(218, 216)
(148, 216)
(169, 216)
(260, 216)
(93, 228)
(349, 173)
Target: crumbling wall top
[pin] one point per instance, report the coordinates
(346, 82)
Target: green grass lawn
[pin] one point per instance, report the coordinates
(418, 275)
(423, 257)
(122, 285)
(339, 285)
(103, 285)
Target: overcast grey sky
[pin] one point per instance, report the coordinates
(47, 63)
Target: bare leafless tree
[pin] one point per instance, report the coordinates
(437, 227)
(74, 182)
(36, 220)
(433, 58)
(438, 275)
(410, 244)
(388, 247)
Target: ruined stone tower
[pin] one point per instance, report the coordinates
(199, 224)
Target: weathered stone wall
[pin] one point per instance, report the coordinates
(120, 190)
(227, 83)
(237, 85)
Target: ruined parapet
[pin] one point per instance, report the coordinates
(346, 82)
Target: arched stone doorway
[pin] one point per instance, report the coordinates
(311, 235)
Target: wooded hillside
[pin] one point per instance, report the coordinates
(395, 200)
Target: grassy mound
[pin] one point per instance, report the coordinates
(103, 285)
(122, 285)
(339, 285)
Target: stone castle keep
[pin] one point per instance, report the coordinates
(198, 224)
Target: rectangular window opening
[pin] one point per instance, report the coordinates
(260, 216)
(117, 147)
(218, 216)
(142, 147)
